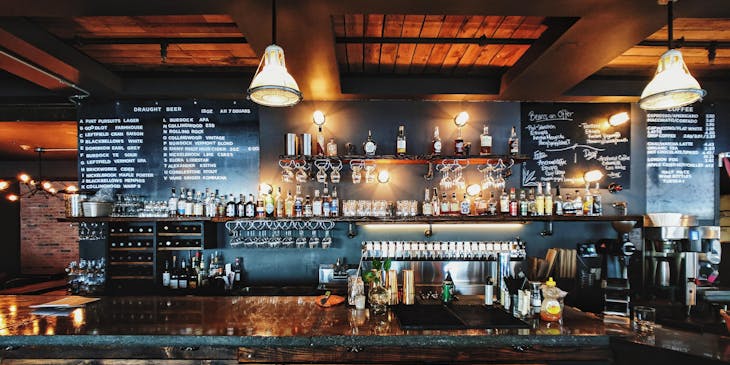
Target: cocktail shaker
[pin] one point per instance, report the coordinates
(409, 287)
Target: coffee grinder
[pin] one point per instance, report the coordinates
(616, 257)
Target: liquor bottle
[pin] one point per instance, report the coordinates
(331, 148)
(269, 206)
(220, 204)
(459, 145)
(513, 143)
(198, 207)
(202, 272)
(260, 207)
(231, 207)
(288, 205)
(237, 269)
(504, 203)
(597, 201)
(298, 202)
(539, 201)
(369, 146)
(435, 205)
(335, 203)
(317, 204)
(172, 204)
(445, 206)
(481, 206)
(492, 204)
(485, 142)
(211, 210)
(174, 277)
(189, 204)
(531, 203)
(192, 276)
(319, 149)
(426, 207)
(548, 199)
(250, 207)
(182, 276)
(568, 205)
(166, 274)
(587, 205)
(240, 206)
(455, 207)
(279, 203)
(523, 203)
(400, 143)
(558, 202)
(307, 207)
(578, 203)
(513, 203)
(436, 143)
(465, 206)
(326, 201)
(181, 203)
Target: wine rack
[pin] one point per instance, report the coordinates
(131, 251)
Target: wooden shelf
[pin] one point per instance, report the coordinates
(413, 159)
(143, 234)
(197, 234)
(134, 219)
(130, 248)
(197, 248)
(455, 219)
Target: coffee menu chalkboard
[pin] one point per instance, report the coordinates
(564, 140)
(680, 155)
(147, 147)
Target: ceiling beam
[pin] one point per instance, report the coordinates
(74, 8)
(407, 86)
(588, 45)
(40, 48)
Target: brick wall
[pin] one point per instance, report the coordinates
(46, 246)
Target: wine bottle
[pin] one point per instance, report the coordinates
(369, 146)
(485, 142)
(401, 141)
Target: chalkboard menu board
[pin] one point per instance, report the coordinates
(564, 140)
(147, 147)
(680, 154)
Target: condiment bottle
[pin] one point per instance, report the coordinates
(551, 309)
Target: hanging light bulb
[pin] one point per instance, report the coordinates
(672, 86)
(272, 85)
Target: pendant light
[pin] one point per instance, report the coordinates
(272, 85)
(672, 86)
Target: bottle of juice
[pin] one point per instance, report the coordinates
(551, 309)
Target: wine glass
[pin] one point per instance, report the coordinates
(369, 174)
(356, 173)
(335, 174)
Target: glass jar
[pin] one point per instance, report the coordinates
(379, 297)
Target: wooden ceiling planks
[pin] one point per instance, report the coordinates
(431, 58)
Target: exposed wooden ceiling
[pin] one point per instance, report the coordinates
(18, 140)
(584, 50)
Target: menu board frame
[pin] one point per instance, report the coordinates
(564, 140)
(145, 148)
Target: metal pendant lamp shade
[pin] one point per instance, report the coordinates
(273, 85)
(672, 86)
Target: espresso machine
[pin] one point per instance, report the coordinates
(680, 257)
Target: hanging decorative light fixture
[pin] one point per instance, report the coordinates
(32, 187)
(672, 86)
(272, 85)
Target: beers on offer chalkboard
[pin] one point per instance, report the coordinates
(565, 140)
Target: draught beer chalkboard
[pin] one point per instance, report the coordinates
(564, 140)
(680, 155)
(148, 147)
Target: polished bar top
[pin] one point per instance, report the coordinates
(296, 321)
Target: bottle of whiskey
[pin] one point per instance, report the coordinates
(326, 201)
(513, 143)
(492, 204)
(331, 148)
(317, 204)
(289, 205)
(481, 205)
(335, 203)
(445, 205)
(172, 204)
(260, 207)
(240, 206)
(578, 203)
(279, 203)
(504, 203)
(189, 204)
(426, 207)
(231, 207)
(250, 207)
(455, 207)
(370, 147)
(513, 203)
(435, 205)
(539, 201)
(400, 143)
(523, 203)
(485, 142)
(307, 207)
(465, 206)
(436, 143)
(558, 204)
(298, 203)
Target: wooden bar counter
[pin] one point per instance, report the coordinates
(288, 329)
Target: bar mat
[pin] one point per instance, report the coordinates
(423, 317)
(485, 317)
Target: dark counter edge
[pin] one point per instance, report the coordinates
(315, 341)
